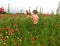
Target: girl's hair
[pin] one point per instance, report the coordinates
(35, 11)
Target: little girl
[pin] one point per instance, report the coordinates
(35, 17)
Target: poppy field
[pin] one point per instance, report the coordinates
(18, 30)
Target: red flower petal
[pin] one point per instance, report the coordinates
(7, 28)
(33, 39)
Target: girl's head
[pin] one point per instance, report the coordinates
(35, 12)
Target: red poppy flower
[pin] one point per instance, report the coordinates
(7, 28)
(33, 38)
(10, 33)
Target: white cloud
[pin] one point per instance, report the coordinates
(16, 5)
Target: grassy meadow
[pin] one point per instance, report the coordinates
(18, 30)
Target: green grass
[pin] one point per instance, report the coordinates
(46, 32)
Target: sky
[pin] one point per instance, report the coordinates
(17, 5)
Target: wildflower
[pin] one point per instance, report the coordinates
(18, 38)
(6, 32)
(7, 28)
(11, 32)
(6, 36)
(4, 43)
(33, 38)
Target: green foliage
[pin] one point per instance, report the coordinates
(46, 32)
